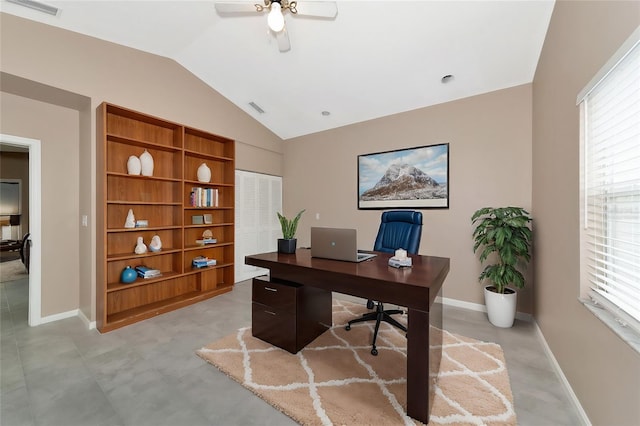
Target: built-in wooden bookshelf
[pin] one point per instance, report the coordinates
(164, 201)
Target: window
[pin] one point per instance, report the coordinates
(610, 130)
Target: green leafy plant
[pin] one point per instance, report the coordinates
(504, 231)
(289, 227)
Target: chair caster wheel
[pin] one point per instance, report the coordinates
(348, 327)
(374, 352)
(370, 304)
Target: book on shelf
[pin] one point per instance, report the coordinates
(202, 262)
(145, 272)
(205, 241)
(204, 197)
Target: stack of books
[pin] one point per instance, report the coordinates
(202, 262)
(204, 197)
(205, 241)
(145, 272)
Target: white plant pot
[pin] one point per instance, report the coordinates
(501, 308)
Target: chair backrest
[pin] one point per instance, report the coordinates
(399, 229)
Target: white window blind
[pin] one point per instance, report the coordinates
(258, 198)
(610, 116)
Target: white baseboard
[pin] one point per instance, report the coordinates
(60, 316)
(477, 307)
(69, 314)
(89, 324)
(563, 378)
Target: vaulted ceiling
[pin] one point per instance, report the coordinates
(376, 58)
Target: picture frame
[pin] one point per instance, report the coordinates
(408, 178)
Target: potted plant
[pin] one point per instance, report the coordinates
(504, 234)
(287, 244)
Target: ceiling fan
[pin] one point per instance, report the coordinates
(275, 17)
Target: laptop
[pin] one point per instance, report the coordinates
(336, 244)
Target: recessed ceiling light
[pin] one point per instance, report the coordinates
(446, 79)
(35, 5)
(326, 113)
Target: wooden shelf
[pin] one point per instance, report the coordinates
(133, 256)
(130, 316)
(160, 199)
(118, 286)
(199, 247)
(147, 228)
(207, 156)
(144, 177)
(141, 143)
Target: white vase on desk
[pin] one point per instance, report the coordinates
(204, 173)
(146, 163)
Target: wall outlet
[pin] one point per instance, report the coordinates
(85, 220)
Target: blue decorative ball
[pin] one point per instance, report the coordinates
(128, 275)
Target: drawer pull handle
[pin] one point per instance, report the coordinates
(269, 312)
(271, 289)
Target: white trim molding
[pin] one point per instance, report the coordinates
(35, 223)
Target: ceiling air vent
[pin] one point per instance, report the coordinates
(256, 107)
(35, 5)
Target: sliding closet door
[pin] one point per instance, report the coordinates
(258, 198)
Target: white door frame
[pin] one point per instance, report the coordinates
(35, 222)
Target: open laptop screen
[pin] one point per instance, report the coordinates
(337, 244)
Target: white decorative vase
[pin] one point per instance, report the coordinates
(130, 222)
(140, 247)
(133, 165)
(204, 173)
(156, 244)
(501, 308)
(146, 163)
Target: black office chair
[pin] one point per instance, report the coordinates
(25, 251)
(398, 229)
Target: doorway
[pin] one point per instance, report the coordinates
(35, 275)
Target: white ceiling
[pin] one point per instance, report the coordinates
(375, 59)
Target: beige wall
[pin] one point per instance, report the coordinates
(490, 165)
(603, 371)
(15, 165)
(67, 69)
(57, 129)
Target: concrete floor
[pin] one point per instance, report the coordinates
(148, 374)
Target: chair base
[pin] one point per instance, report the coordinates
(378, 316)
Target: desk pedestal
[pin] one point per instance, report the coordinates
(289, 315)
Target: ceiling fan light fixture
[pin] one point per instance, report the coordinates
(275, 20)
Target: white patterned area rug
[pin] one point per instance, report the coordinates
(336, 380)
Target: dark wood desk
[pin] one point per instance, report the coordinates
(415, 287)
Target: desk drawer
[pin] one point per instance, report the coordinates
(275, 295)
(274, 326)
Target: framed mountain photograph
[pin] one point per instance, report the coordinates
(415, 178)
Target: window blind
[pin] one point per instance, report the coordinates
(258, 198)
(611, 136)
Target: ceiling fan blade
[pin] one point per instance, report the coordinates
(237, 8)
(320, 9)
(283, 40)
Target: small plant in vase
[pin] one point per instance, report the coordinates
(287, 244)
(504, 234)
